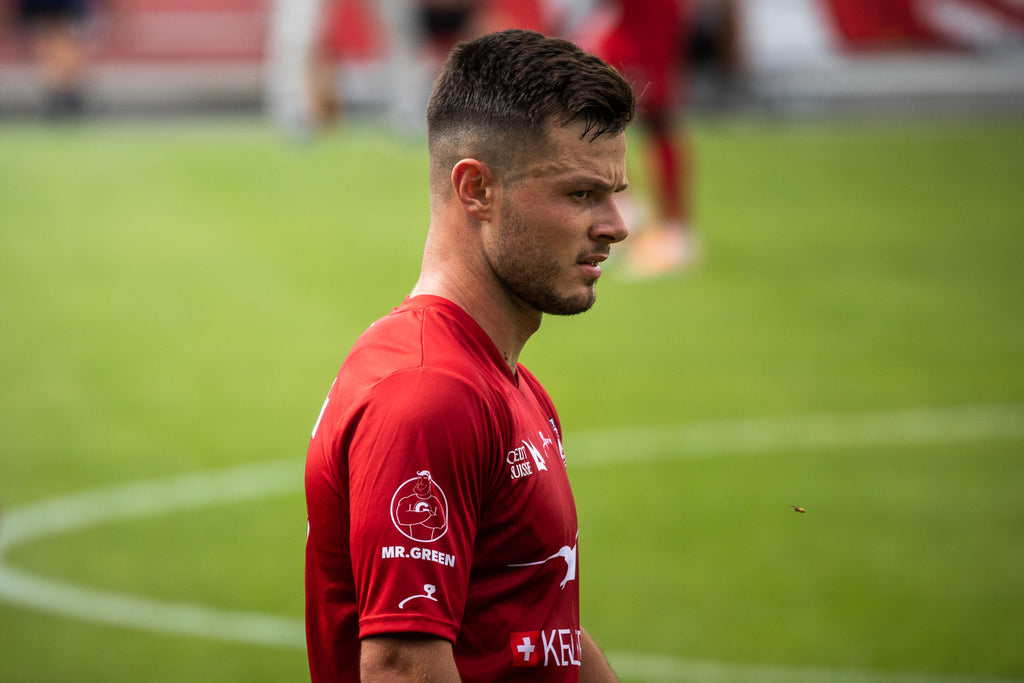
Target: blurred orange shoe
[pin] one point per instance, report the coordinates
(660, 250)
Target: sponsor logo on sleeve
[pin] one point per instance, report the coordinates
(400, 552)
(428, 594)
(419, 509)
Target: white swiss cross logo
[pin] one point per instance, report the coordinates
(524, 648)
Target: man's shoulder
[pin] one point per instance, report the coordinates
(425, 336)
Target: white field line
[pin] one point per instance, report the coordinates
(74, 512)
(142, 499)
(664, 669)
(793, 434)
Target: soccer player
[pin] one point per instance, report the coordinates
(646, 42)
(443, 541)
(299, 97)
(55, 29)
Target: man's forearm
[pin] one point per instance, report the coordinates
(594, 666)
(407, 658)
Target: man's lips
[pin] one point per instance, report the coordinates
(591, 264)
(593, 259)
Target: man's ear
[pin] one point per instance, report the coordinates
(475, 185)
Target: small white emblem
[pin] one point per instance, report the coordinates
(430, 589)
(538, 458)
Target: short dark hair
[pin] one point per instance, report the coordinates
(497, 96)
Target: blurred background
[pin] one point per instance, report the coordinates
(204, 202)
(159, 56)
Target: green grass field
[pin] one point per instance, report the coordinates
(175, 300)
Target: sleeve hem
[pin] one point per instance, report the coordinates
(379, 626)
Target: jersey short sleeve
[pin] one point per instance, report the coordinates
(419, 461)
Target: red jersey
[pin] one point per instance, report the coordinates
(646, 45)
(439, 503)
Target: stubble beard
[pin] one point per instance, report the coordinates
(532, 276)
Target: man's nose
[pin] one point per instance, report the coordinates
(611, 228)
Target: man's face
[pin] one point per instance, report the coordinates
(558, 222)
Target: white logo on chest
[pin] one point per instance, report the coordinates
(527, 460)
(566, 553)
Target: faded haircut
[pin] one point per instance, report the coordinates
(497, 96)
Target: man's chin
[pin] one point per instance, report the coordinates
(572, 305)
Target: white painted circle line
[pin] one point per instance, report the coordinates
(142, 499)
(803, 433)
(147, 498)
(202, 489)
(664, 669)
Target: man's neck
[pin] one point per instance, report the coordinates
(508, 323)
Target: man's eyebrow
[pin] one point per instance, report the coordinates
(597, 183)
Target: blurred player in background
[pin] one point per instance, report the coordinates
(303, 92)
(56, 34)
(300, 93)
(443, 534)
(647, 42)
